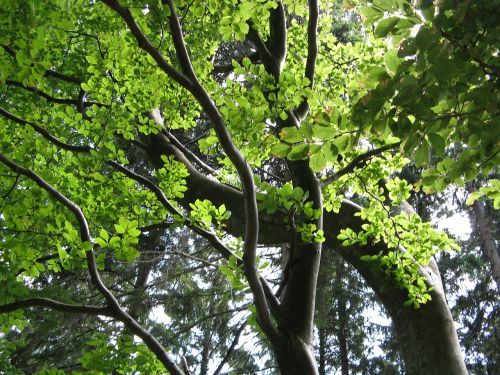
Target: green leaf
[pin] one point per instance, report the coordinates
(444, 70)
(370, 12)
(331, 151)
(23, 58)
(120, 228)
(91, 59)
(291, 135)
(437, 142)
(299, 152)
(318, 161)
(422, 155)
(87, 246)
(280, 150)
(341, 142)
(323, 132)
(385, 26)
(62, 253)
(392, 61)
(425, 38)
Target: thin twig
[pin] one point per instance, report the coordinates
(357, 162)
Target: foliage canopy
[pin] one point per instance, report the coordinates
(243, 123)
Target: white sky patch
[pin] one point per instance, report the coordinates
(457, 225)
(158, 315)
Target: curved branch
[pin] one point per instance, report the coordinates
(57, 195)
(278, 34)
(56, 305)
(265, 55)
(44, 133)
(210, 236)
(180, 46)
(76, 102)
(63, 77)
(190, 154)
(44, 95)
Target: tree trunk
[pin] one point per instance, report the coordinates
(295, 318)
(427, 336)
(342, 318)
(428, 339)
(488, 244)
(295, 357)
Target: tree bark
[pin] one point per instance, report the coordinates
(294, 356)
(488, 244)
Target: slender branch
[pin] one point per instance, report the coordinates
(180, 46)
(189, 153)
(312, 53)
(44, 133)
(63, 77)
(39, 260)
(190, 326)
(77, 212)
(231, 348)
(272, 174)
(210, 236)
(12, 187)
(149, 184)
(358, 162)
(146, 45)
(183, 254)
(185, 366)
(42, 94)
(9, 50)
(76, 102)
(56, 305)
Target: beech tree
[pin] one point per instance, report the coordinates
(251, 126)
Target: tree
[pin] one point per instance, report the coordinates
(123, 117)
